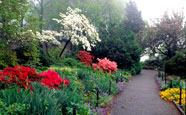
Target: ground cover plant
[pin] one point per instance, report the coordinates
(59, 89)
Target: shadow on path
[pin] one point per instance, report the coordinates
(141, 97)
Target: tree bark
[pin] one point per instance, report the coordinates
(65, 47)
(41, 17)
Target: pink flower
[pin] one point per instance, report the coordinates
(105, 65)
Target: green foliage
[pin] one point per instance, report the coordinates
(153, 63)
(71, 62)
(12, 13)
(7, 56)
(176, 83)
(45, 60)
(41, 101)
(27, 51)
(120, 47)
(54, 54)
(13, 109)
(80, 110)
(137, 68)
(176, 65)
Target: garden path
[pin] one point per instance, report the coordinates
(141, 97)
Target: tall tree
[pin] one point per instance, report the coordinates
(39, 6)
(12, 13)
(134, 20)
(166, 36)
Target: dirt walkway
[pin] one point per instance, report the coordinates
(141, 97)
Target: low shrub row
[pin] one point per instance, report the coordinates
(88, 90)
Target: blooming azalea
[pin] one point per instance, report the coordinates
(85, 57)
(20, 75)
(105, 65)
(51, 79)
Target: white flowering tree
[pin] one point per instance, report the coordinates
(48, 37)
(77, 29)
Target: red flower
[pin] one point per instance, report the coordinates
(51, 79)
(20, 75)
(85, 57)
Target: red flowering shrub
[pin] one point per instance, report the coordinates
(51, 79)
(24, 76)
(20, 75)
(105, 65)
(85, 57)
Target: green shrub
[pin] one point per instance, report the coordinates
(13, 109)
(41, 101)
(153, 63)
(176, 83)
(120, 47)
(45, 60)
(27, 51)
(176, 65)
(54, 53)
(7, 56)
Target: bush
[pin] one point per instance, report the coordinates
(54, 54)
(105, 65)
(153, 63)
(85, 57)
(176, 83)
(7, 56)
(44, 58)
(120, 47)
(13, 109)
(27, 51)
(176, 65)
(41, 101)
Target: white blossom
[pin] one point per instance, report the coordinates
(48, 36)
(76, 26)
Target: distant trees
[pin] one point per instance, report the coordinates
(166, 36)
(134, 20)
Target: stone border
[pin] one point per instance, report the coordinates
(177, 105)
(179, 108)
(112, 101)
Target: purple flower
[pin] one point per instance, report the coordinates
(158, 82)
(99, 111)
(88, 104)
(104, 94)
(120, 85)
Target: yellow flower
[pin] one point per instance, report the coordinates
(183, 101)
(171, 98)
(177, 96)
(177, 101)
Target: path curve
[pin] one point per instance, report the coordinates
(141, 97)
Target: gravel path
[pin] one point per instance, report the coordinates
(141, 97)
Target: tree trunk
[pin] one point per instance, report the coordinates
(41, 13)
(65, 47)
(46, 45)
(21, 25)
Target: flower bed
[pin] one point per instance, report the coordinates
(173, 94)
(50, 91)
(171, 90)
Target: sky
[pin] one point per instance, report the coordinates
(152, 9)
